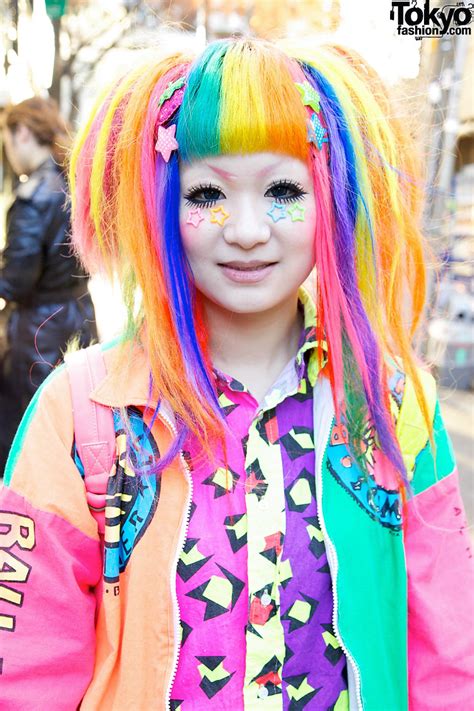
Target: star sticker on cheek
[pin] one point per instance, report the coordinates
(296, 212)
(195, 217)
(277, 211)
(166, 142)
(219, 215)
(309, 95)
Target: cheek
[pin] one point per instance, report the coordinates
(310, 222)
(301, 232)
(196, 233)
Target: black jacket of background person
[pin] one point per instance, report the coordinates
(46, 293)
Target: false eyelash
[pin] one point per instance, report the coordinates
(192, 192)
(288, 182)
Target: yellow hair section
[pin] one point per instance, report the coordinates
(78, 145)
(251, 118)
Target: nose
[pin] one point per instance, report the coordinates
(248, 225)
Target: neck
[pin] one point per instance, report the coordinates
(37, 158)
(254, 348)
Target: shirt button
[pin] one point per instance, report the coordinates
(265, 600)
(262, 692)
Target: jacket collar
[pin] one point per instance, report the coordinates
(128, 377)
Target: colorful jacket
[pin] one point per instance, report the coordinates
(71, 636)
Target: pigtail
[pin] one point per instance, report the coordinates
(370, 251)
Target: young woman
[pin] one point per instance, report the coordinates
(43, 284)
(283, 526)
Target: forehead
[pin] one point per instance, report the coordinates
(235, 168)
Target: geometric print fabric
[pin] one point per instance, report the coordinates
(253, 584)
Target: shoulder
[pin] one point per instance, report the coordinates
(46, 186)
(424, 441)
(45, 433)
(47, 423)
(411, 424)
(49, 409)
(40, 469)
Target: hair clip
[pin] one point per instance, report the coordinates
(219, 215)
(171, 99)
(277, 211)
(309, 95)
(296, 212)
(166, 143)
(170, 89)
(317, 134)
(195, 217)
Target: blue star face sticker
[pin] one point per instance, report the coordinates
(277, 211)
(317, 134)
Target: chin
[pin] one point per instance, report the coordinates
(246, 303)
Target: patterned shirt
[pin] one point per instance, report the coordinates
(253, 583)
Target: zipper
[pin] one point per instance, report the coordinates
(179, 549)
(332, 558)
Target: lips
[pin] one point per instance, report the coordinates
(250, 272)
(246, 266)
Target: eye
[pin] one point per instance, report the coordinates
(286, 191)
(204, 195)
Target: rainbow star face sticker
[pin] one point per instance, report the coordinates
(296, 212)
(309, 95)
(277, 211)
(195, 217)
(317, 134)
(219, 215)
(166, 142)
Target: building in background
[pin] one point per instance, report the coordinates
(449, 214)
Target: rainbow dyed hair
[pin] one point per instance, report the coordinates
(240, 97)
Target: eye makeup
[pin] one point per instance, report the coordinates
(203, 195)
(283, 190)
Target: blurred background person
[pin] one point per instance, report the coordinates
(45, 288)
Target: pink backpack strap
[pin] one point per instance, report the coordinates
(94, 431)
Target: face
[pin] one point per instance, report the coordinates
(247, 224)
(18, 148)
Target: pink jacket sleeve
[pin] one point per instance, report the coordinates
(50, 563)
(440, 567)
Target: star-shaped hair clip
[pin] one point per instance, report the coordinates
(170, 89)
(309, 96)
(171, 99)
(317, 134)
(168, 103)
(166, 143)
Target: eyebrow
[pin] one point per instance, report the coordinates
(223, 173)
(230, 176)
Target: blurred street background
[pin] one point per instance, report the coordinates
(69, 49)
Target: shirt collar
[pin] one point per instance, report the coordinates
(309, 344)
